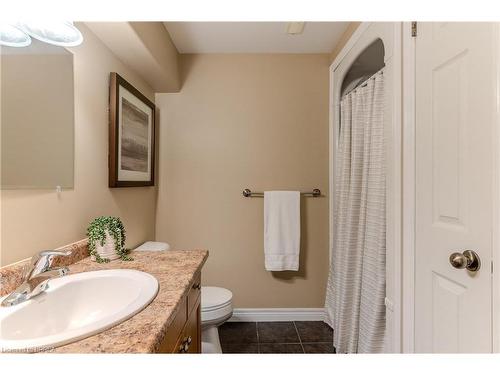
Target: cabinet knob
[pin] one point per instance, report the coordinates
(185, 344)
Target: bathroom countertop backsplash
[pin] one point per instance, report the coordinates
(145, 331)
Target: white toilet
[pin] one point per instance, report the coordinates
(216, 306)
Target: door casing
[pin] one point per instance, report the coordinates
(366, 34)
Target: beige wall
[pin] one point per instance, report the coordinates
(343, 39)
(246, 121)
(33, 220)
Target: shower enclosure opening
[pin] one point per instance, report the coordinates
(356, 290)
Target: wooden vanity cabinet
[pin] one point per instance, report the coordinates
(184, 333)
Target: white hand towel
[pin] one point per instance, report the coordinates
(281, 230)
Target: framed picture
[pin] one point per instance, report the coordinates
(131, 135)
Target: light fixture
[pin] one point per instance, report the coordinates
(295, 28)
(63, 34)
(13, 36)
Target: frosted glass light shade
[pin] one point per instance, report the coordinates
(63, 34)
(12, 36)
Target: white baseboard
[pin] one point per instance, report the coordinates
(277, 314)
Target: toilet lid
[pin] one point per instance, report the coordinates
(213, 297)
(153, 246)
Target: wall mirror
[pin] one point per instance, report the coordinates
(37, 117)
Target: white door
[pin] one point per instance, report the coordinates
(455, 109)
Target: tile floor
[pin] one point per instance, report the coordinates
(276, 337)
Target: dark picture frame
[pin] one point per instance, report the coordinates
(131, 135)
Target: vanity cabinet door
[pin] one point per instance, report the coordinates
(193, 330)
(174, 330)
(184, 333)
(190, 338)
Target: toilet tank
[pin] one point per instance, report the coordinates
(153, 246)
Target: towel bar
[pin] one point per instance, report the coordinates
(247, 193)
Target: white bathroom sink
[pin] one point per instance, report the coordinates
(74, 307)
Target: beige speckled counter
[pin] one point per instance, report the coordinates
(143, 333)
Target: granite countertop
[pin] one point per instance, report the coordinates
(144, 332)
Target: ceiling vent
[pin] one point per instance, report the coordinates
(295, 28)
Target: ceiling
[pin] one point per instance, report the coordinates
(254, 37)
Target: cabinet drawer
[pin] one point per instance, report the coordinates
(175, 329)
(194, 293)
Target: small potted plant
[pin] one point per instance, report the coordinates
(107, 239)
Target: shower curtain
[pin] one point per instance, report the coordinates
(356, 283)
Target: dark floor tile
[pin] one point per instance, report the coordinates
(319, 348)
(238, 332)
(244, 348)
(269, 348)
(314, 332)
(277, 332)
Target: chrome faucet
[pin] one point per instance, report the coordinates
(36, 277)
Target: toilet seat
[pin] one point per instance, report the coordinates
(216, 304)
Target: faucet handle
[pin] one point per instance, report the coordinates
(48, 255)
(54, 253)
(42, 261)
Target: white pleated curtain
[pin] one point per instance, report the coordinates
(356, 283)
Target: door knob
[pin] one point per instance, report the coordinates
(468, 259)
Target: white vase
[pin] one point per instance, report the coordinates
(107, 251)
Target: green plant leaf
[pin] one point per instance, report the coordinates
(96, 233)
